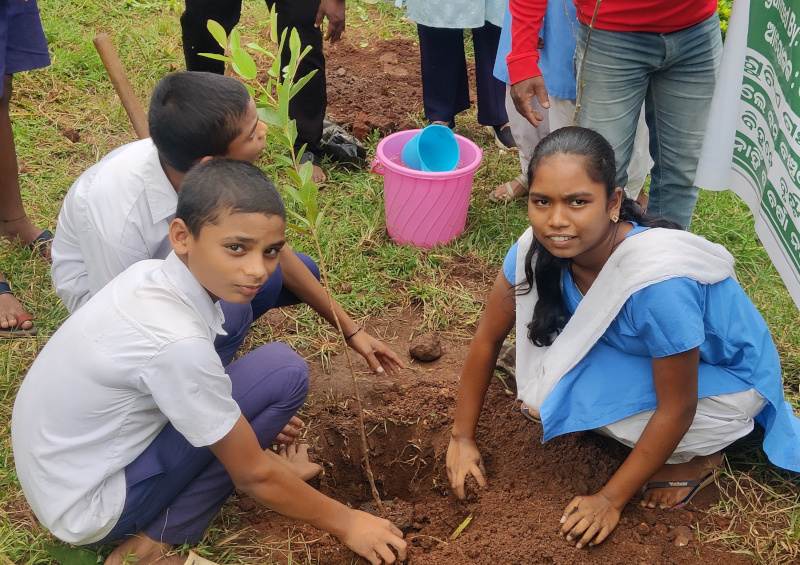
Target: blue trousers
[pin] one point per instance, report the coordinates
(445, 83)
(673, 75)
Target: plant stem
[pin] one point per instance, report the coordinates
(365, 446)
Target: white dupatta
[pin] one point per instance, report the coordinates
(642, 259)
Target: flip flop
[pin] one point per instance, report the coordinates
(697, 485)
(527, 411)
(16, 331)
(509, 194)
(41, 242)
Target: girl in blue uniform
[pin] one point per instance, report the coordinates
(628, 326)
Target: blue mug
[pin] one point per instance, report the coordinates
(434, 149)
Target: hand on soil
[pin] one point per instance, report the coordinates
(291, 431)
(297, 456)
(463, 458)
(378, 355)
(589, 519)
(371, 537)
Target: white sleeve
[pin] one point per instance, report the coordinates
(189, 385)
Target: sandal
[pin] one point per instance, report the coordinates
(41, 244)
(509, 193)
(529, 413)
(17, 330)
(697, 485)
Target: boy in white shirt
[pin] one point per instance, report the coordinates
(118, 212)
(127, 425)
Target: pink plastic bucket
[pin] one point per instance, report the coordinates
(425, 208)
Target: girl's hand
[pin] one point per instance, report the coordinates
(378, 355)
(464, 458)
(589, 520)
(290, 432)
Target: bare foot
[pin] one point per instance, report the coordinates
(10, 310)
(143, 550)
(668, 497)
(318, 175)
(21, 229)
(297, 456)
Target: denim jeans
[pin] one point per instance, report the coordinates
(673, 74)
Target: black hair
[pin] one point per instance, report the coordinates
(194, 115)
(221, 186)
(550, 313)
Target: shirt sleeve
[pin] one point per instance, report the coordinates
(526, 21)
(510, 264)
(188, 384)
(669, 316)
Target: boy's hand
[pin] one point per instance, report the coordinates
(297, 457)
(370, 537)
(378, 355)
(589, 520)
(334, 11)
(464, 458)
(291, 431)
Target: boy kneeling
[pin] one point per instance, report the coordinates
(127, 426)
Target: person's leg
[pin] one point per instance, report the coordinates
(308, 106)
(445, 84)
(491, 91)
(174, 489)
(527, 138)
(239, 317)
(677, 107)
(616, 76)
(196, 37)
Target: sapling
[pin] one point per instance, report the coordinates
(272, 103)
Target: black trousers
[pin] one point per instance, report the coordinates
(308, 106)
(445, 84)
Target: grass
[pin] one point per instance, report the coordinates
(371, 276)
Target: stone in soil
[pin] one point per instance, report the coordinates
(426, 347)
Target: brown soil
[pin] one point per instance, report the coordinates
(515, 519)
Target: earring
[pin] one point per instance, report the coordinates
(615, 218)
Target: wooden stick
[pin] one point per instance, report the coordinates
(120, 81)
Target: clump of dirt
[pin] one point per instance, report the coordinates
(426, 347)
(515, 519)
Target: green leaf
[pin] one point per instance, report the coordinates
(299, 84)
(270, 117)
(282, 160)
(273, 25)
(306, 170)
(257, 47)
(243, 64)
(71, 555)
(235, 40)
(294, 45)
(292, 129)
(277, 134)
(294, 176)
(294, 193)
(297, 228)
(218, 33)
(251, 90)
(217, 56)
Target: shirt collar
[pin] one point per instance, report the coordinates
(161, 195)
(192, 293)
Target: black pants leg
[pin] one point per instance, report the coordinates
(445, 84)
(196, 37)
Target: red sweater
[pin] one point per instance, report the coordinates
(655, 16)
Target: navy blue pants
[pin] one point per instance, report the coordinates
(445, 83)
(174, 489)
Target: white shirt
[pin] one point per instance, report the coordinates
(138, 354)
(116, 214)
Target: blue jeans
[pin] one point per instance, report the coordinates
(673, 74)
